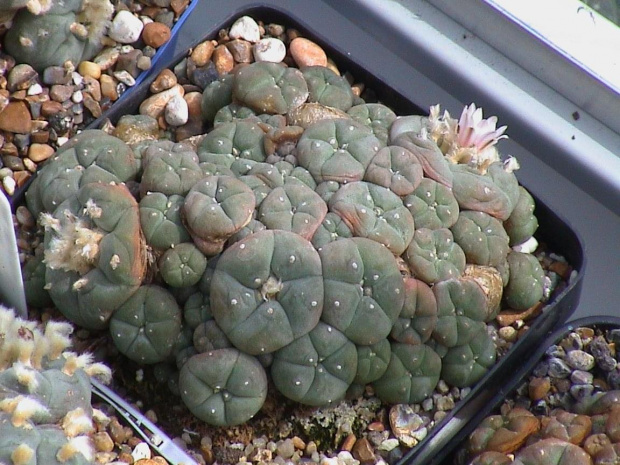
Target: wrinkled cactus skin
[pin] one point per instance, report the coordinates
(308, 239)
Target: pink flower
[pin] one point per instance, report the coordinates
(474, 131)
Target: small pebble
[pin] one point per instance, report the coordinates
(245, 28)
(223, 60)
(581, 377)
(558, 368)
(538, 388)
(40, 152)
(201, 55)
(155, 34)
(89, 68)
(125, 28)
(307, 53)
(580, 360)
(269, 49)
(176, 112)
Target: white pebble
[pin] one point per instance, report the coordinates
(35, 89)
(125, 28)
(177, 111)
(245, 28)
(269, 49)
(125, 77)
(141, 451)
(9, 185)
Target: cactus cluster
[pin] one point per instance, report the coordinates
(46, 415)
(307, 236)
(53, 32)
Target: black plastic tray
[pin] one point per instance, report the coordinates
(512, 382)
(398, 85)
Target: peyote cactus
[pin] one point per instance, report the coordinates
(52, 32)
(308, 238)
(45, 395)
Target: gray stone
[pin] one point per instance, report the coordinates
(245, 28)
(581, 377)
(580, 360)
(558, 368)
(125, 28)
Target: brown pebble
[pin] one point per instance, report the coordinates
(50, 108)
(92, 105)
(585, 333)
(178, 6)
(364, 452)
(562, 385)
(241, 50)
(61, 93)
(21, 177)
(16, 118)
(376, 426)
(40, 152)
(509, 317)
(307, 53)
(299, 443)
(133, 441)
(125, 457)
(93, 87)
(223, 60)
(154, 105)
(207, 454)
(561, 268)
(155, 34)
(108, 87)
(164, 81)
(4, 99)
(103, 442)
(538, 388)
(21, 77)
(117, 431)
(202, 53)
(348, 442)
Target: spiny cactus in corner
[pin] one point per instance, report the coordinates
(45, 395)
(55, 32)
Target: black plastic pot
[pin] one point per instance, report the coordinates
(400, 86)
(521, 373)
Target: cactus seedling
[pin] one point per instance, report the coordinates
(317, 368)
(363, 289)
(433, 162)
(552, 451)
(215, 208)
(374, 212)
(433, 255)
(332, 228)
(418, 318)
(182, 265)
(522, 223)
(327, 88)
(376, 116)
(147, 325)
(395, 168)
(432, 205)
(411, 376)
(482, 238)
(160, 218)
(168, 171)
(465, 364)
(223, 387)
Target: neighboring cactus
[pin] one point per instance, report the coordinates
(182, 265)
(57, 32)
(522, 223)
(395, 168)
(418, 318)
(527, 281)
(160, 218)
(465, 364)
(432, 205)
(270, 88)
(169, 171)
(91, 156)
(376, 116)
(411, 376)
(45, 394)
(337, 150)
(317, 368)
(327, 88)
(433, 255)
(482, 238)
(364, 291)
(267, 291)
(374, 212)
